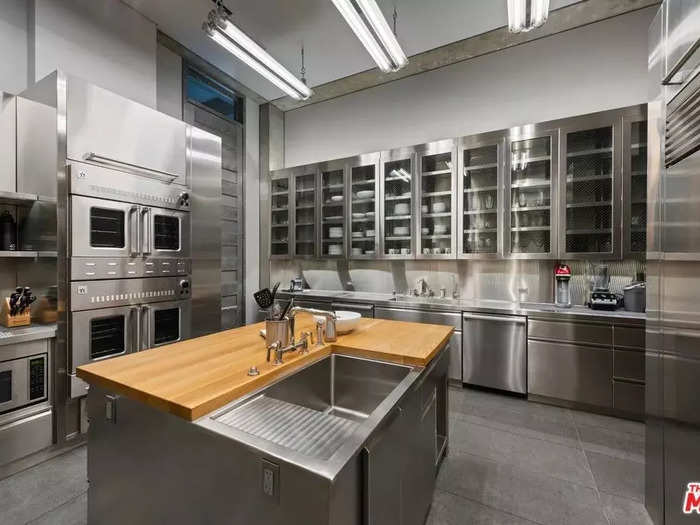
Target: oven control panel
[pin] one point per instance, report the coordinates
(89, 268)
(96, 181)
(89, 295)
(37, 378)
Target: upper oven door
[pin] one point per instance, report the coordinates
(165, 323)
(166, 233)
(102, 228)
(104, 333)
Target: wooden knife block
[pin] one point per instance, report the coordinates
(10, 321)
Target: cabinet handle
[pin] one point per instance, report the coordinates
(495, 318)
(162, 176)
(355, 306)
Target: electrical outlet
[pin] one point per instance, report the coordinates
(271, 480)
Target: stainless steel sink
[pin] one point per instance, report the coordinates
(318, 409)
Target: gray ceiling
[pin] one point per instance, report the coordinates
(332, 50)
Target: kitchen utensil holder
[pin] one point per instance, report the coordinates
(10, 321)
(277, 331)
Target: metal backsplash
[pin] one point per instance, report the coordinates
(508, 280)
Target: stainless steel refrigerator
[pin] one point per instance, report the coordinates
(673, 266)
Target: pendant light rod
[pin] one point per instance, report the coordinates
(224, 32)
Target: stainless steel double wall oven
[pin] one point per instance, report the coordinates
(130, 263)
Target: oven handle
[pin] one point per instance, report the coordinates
(134, 231)
(135, 323)
(148, 232)
(163, 176)
(146, 325)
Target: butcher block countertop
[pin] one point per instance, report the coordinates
(194, 377)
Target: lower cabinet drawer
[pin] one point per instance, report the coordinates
(25, 436)
(629, 397)
(628, 364)
(577, 373)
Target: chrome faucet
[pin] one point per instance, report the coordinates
(330, 335)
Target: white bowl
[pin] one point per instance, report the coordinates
(439, 207)
(358, 215)
(400, 230)
(401, 209)
(345, 321)
(365, 194)
(369, 233)
(337, 198)
(357, 251)
(425, 231)
(440, 229)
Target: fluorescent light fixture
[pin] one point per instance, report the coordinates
(222, 31)
(526, 15)
(369, 25)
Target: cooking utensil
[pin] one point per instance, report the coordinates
(274, 291)
(286, 308)
(263, 298)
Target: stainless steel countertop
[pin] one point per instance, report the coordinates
(21, 334)
(537, 310)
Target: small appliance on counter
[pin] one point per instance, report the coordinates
(8, 232)
(601, 296)
(296, 285)
(562, 275)
(635, 297)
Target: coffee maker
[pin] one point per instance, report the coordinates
(562, 276)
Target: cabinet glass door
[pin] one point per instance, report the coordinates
(333, 210)
(305, 213)
(531, 197)
(636, 229)
(279, 216)
(480, 188)
(590, 192)
(437, 202)
(397, 190)
(364, 184)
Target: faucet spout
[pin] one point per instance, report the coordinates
(331, 318)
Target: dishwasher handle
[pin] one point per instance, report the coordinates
(495, 318)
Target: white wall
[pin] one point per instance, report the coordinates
(13, 45)
(597, 67)
(252, 208)
(103, 41)
(169, 82)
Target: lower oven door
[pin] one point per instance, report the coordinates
(165, 323)
(103, 333)
(22, 382)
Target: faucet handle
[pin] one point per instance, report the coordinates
(305, 336)
(273, 348)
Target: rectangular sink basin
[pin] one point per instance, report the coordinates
(316, 410)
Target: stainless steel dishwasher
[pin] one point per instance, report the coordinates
(494, 351)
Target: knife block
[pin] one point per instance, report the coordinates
(10, 321)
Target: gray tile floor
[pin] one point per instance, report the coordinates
(510, 462)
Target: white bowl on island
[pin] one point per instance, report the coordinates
(345, 321)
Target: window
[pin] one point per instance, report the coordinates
(206, 92)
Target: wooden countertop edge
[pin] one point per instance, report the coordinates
(192, 412)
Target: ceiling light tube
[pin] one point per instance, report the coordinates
(235, 41)
(381, 28)
(371, 28)
(362, 32)
(526, 15)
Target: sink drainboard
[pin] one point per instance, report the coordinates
(304, 430)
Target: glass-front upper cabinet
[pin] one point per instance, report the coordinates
(635, 186)
(436, 197)
(305, 206)
(480, 178)
(363, 173)
(590, 183)
(280, 228)
(531, 187)
(333, 210)
(397, 203)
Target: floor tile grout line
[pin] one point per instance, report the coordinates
(69, 500)
(519, 516)
(462, 418)
(526, 469)
(590, 469)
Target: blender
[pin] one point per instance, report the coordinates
(562, 276)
